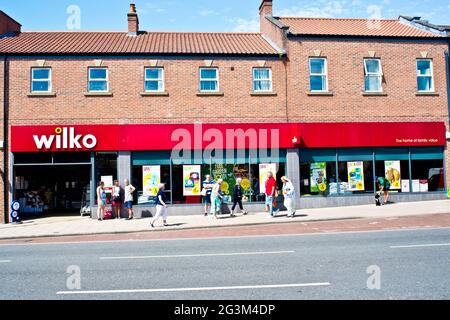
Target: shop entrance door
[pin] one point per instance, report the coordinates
(52, 189)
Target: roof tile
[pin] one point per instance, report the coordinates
(122, 43)
(353, 27)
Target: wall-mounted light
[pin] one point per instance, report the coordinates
(447, 135)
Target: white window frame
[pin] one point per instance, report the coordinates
(209, 79)
(432, 89)
(49, 79)
(372, 74)
(311, 74)
(266, 79)
(162, 79)
(98, 80)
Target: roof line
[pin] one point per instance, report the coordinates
(140, 32)
(330, 18)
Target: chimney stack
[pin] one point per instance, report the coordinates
(133, 21)
(8, 26)
(265, 8)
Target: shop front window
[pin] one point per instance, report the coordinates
(106, 171)
(183, 180)
(355, 177)
(427, 175)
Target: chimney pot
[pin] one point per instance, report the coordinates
(132, 8)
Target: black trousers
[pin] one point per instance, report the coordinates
(235, 202)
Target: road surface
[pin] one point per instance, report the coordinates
(403, 264)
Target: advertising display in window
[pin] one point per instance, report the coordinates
(393, 174)
(191, 180)
(355, 176)
(151, 177)
(225, 172)
(264, 169)
(318, 174)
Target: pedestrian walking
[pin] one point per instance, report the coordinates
(216, 198)
(271, 190)
(116, 199)
(207, 186)
(237, 197)
(289, 196)
(101, 200)
(161, 206)
(129, 189)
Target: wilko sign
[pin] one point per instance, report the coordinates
(147, 137)
(65, 138)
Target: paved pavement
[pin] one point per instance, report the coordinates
(409, 264)
(67, 226)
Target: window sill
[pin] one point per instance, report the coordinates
(373, 94)
(154, 94)
(206, 94)
(263, 93)
(41, 94)
(432, 94)
(320, 93)
(98, 94)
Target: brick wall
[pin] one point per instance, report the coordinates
(2, 178)
(346, 81)
(7, 24)
(126, 76)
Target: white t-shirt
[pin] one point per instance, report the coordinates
(128, 194)
(116, 192)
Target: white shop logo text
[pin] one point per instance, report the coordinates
(65, 138)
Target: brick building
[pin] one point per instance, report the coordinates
(337, 102)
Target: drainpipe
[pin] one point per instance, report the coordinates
(447, 69)
(5, 139)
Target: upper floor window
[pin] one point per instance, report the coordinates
(41, 80)
(425, 81)
(318, 78)
(154, 79)
(262, 79)
(98, 80)
(373, 75)
(209, 79)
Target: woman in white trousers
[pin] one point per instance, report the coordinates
(161, 207)
(289, 196)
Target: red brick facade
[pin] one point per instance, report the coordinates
(290, 101)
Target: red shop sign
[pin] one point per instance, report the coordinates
(53, 138)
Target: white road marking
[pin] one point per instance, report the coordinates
(318, 284)
(421, 245)
(5, 261)
(198, 255)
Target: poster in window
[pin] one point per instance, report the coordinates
(264, 169)
(318, 176)
(151, 177)
(392, 174)
(405, 186)
(224, 172)
(415, 185)
(108, 181)
(355, 176)
(191, 180)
